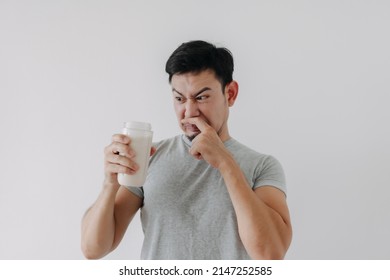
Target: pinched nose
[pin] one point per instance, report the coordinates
(191, 109)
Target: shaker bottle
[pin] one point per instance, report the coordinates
(141, 141)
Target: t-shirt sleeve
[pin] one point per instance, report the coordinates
(138, 191)
(270, 173)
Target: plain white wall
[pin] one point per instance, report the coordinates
(314, 92)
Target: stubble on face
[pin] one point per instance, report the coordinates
(191, 137)
(191, 131)
(198, 84)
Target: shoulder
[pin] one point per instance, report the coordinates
(171, 147)
(265, 169)
(167, 142)
(245, 155)
(243, 152)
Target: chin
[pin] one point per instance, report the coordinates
(191, 136)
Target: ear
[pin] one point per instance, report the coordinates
(231, 92)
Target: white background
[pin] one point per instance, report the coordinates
(314, 92)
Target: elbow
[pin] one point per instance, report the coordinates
(89, 255)
(268, 254)
(92, 251)
(274, 254)
(274, 249)
(94, 247)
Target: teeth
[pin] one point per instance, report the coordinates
(191, 126)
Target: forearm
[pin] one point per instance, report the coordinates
(262, 230)
(98, 225)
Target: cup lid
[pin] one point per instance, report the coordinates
(138, 125)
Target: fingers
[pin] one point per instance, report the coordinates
(119, 148)
(121, 163)
(121, 138)
(195, 153)
(199, 122)
(114, 169)
(120, 144)
(118, 156)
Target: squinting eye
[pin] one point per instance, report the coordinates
(201, 97)
(178, 98)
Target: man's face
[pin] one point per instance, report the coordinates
(200, 95)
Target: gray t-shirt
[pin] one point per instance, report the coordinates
(187, 212)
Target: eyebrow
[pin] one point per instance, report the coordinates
(196, 94)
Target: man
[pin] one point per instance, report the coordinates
(206, 196)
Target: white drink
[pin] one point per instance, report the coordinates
(141, 141)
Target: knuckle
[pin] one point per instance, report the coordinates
(115, 137)
(125, 139)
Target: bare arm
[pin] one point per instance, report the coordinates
(105, 222)
(262, 215)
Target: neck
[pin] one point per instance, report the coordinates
(223, 133)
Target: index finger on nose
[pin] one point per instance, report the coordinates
(199, 122)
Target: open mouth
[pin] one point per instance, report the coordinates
(191, 127)
(191, 131)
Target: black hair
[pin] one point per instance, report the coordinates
(197, 56)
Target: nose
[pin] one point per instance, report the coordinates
(191, 109)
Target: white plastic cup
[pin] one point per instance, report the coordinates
(141, 142)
